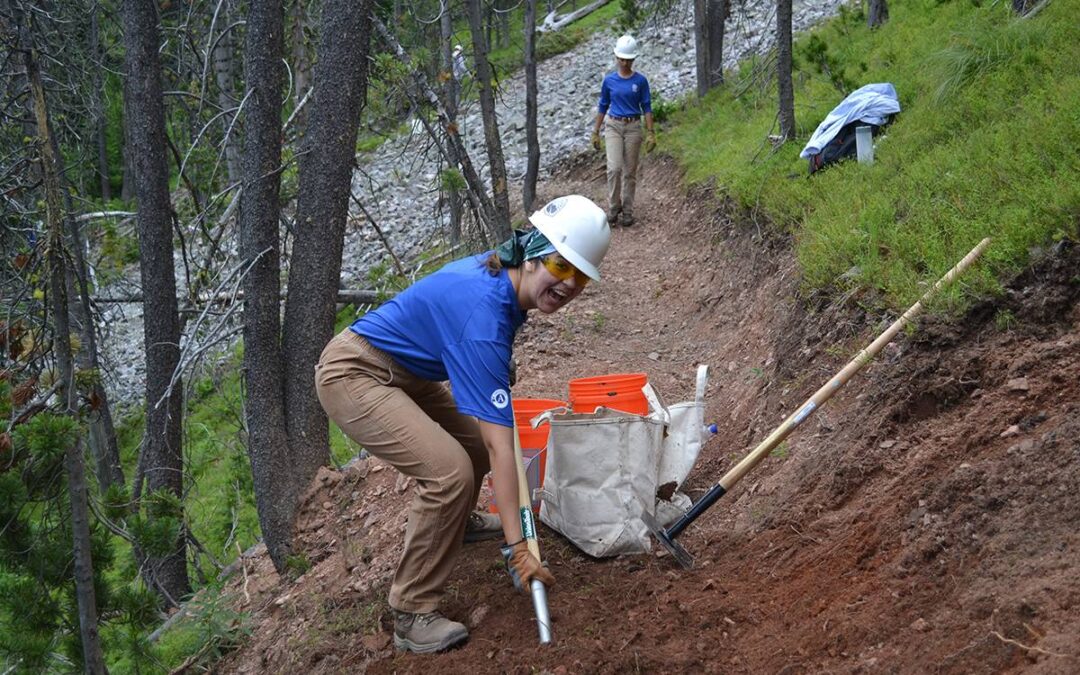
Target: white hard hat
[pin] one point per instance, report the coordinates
(457, 49)
(578, 229)
(626, 47)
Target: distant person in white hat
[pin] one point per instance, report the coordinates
(624, 100)
(460, 69)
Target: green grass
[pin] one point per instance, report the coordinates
(219, 506)
(985, 146)
(211, 629)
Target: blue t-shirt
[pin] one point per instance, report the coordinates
(625, 96)
(457, 324)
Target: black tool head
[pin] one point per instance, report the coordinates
(673, 547)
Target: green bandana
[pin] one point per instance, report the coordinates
(523, 245)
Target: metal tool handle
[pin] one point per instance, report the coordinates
(543, 619)
(528, 532)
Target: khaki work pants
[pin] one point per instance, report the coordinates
(622, 141)
(413, 425)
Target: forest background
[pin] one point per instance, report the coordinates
(190, 146)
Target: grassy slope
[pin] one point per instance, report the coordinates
(985, 146)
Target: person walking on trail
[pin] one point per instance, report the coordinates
(624, 100)
(381, 381)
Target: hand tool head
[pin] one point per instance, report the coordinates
(673, 547)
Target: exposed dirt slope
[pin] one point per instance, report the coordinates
(924, 520)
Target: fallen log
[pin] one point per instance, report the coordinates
(553, 21)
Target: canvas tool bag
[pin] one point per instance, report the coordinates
(604, 468)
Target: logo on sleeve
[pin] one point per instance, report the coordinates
(500, 399)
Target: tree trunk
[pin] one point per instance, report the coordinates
(127, 180)
(222, 60)
(878, 13)
(326, 168)
(491, 125)
(260, 249)
(716, 15)
(450, 98)
(97, 105)
(489, 22)
(301, 59)
(93, 662)
(145, 131)
(783, 69)
(102, 434)
(701, 50)
(532, 142)
(503, 16)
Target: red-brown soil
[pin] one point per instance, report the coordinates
(927, 519)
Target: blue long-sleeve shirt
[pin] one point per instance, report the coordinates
(625, 96)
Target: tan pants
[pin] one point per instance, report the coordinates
(412, 424)
(623, 143)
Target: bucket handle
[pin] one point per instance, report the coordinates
(546, 416)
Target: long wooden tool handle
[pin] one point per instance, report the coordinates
(528, 524)
(818, 399)
(528, 532)
(845, 374)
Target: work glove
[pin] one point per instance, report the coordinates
(523, 567)
(650, 142)
(596, 140)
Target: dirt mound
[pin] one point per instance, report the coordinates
(923, 520)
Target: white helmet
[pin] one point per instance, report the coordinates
(578, 229)
(626, 47)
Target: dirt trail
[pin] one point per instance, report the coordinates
(924, 520)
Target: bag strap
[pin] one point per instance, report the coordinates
(657, 406)
(702, 381)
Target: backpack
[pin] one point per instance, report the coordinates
(842, 145)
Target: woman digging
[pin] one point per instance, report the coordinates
(381, 381)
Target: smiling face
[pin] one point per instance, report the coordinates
(546, 291)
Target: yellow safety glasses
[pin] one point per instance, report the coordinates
(559, 268)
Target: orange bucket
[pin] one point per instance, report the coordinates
(533, 443)
(620, 391)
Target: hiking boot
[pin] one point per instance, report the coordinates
(626, 220)
(612, 218)
(483, 526)
(426, 633)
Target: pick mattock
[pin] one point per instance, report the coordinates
(528, 532)
(667, 537)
